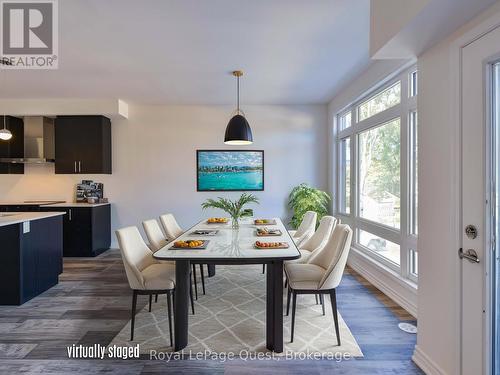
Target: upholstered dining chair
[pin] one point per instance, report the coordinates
(306, 228)
(172, 231)
(145, 275)
(321, 274)
(317, 241)
(157, 240)
(155, 236)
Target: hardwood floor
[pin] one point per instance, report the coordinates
(91, 305)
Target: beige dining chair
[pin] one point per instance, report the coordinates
(317, 241)
(145, 275)
(157, 240)
(322, 274)
(306, 228)
(172, 231)
(155, 236)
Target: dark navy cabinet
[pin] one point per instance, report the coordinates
(83, 145)
(87, 230)
(14, 147)
(30, 260)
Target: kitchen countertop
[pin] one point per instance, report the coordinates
(9, 218)
(51, 204)
(75, 205)
(31, 203)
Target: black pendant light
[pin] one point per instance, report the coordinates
(238, 130)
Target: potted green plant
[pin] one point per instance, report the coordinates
(232, 208)
(304, 198)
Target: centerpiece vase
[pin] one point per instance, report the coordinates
(235, 223)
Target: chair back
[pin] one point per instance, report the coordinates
(135, 254)
(170, 226)
(321, 236)
(333, 257)
(155, 236)
(308, 224)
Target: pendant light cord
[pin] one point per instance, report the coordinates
(238, 94)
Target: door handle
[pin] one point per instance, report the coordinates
(79, 166)
(470, 255)
(69, 214)
(75, 166)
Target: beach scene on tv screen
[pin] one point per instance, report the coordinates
(230, 170)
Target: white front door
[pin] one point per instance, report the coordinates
(479, 90)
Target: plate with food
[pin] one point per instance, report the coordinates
(271, 245)
(264, 222)
(189, 244)
(263, 232)
(217, 220)
(205, 232)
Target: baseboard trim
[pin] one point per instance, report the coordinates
(393, 286)
(426, 364)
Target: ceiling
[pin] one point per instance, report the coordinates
(182, 51)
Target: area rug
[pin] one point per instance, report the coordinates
(231, 317)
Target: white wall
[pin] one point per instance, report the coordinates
(438, 337)
(154, 161)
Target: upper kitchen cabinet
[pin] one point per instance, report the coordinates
(83, 145)
(14, 147)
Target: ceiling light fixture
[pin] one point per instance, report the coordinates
(238, 130)
(5, 133)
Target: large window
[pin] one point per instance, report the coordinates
(377, 173)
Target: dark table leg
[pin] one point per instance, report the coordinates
(211, 270)
(181, 305)
(274, 307)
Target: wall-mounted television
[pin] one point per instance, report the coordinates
(230, 170)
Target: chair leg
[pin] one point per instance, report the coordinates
(156, 298)
(288, 301)
(150, 301)
(264, 268)
(294, 305)
(322, 301)
(286, 281)
(195, 281)
(202, 271)
(333, 299)
(169, 308)
(316, 296)
(132, 323)
(191, 297)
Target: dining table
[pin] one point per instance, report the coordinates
(229, 246)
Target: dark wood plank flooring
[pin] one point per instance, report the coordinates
(91, 305)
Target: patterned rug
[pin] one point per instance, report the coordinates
(231, 317)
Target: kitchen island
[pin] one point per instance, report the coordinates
(31, 254)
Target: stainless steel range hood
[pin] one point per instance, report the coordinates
(39, 144)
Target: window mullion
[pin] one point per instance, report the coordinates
(404, 227)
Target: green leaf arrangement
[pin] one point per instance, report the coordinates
(235, 209)
(304, 198)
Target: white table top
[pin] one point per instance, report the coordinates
(229, 244)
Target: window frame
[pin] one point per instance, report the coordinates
(401, 236)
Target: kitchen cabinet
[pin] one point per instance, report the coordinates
(14, 147)
(86, 230)
(83, 145)
(31, 258)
